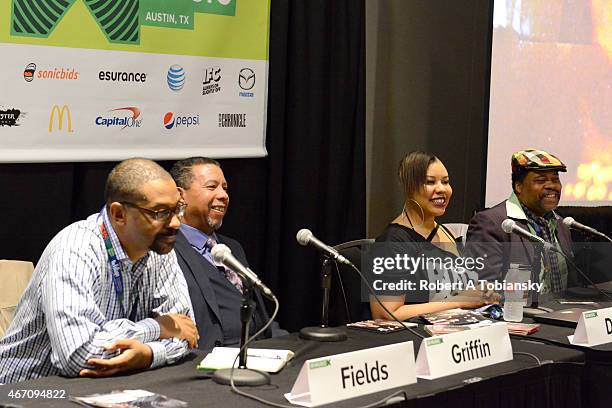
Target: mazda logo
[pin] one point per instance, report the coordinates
(246, 79)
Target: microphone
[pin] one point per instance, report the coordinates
(510, 227)
(304, 237)
(569, 222)
(223, 255)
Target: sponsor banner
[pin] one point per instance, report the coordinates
(176, 78)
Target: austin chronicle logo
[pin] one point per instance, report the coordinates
(246, 79)
(58, 113)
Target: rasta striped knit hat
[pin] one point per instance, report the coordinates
(533, 159)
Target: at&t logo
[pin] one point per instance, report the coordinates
(176, 77)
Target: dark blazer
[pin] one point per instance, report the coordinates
(485, 236)
(216, 302)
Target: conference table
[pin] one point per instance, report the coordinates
(557, 382)
(598, 359)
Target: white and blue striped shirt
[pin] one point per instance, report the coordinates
(70, 310)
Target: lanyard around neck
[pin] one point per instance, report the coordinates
(115, 269)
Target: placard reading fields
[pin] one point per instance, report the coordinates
(101, 80)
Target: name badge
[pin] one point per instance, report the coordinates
(454, 353)
(348, 375)
(594, 328)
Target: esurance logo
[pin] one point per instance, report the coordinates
(122, 117)
(210, 83)
(10, 117)
(119, 76)
(246, 81)
(57, 116)
(176, 77)
(60, 74)
(171, 120)
(232, 120)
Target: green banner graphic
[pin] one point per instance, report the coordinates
(122, 23)
(118, 19)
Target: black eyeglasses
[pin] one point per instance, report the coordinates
(161, 215)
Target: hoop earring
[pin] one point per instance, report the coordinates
(420, 208)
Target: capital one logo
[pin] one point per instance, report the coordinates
(58, 113)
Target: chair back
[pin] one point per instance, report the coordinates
(14, 278)
(458, 229)
(348, 280)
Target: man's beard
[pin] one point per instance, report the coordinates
(160, 246)
(214, 224)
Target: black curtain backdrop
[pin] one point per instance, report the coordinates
(314, 176)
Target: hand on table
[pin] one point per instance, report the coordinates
(475, 298)
(134, 355)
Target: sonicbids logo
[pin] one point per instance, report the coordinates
(62, 74)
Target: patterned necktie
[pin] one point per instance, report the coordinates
(542, 228)
(229, 274)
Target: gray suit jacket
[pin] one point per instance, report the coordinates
(485, 236)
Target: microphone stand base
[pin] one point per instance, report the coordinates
(589, 293)
(242, 376)
(532, 311)
(319, 333)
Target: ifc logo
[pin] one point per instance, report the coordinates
(176, 77)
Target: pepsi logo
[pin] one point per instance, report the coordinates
(180, 120)
(176, 77)
(169, 120)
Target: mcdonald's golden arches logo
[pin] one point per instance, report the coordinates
(60, 113)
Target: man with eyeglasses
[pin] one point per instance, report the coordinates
(107, 295)
(216, 292)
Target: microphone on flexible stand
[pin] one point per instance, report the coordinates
(241, 375)
(223, 255)
(509, 226)
(569, 222)
(305, 238)
(323, 332)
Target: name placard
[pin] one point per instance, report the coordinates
(594, 328)
(453, 353)
(348, 375)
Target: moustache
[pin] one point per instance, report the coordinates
(168, 233)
